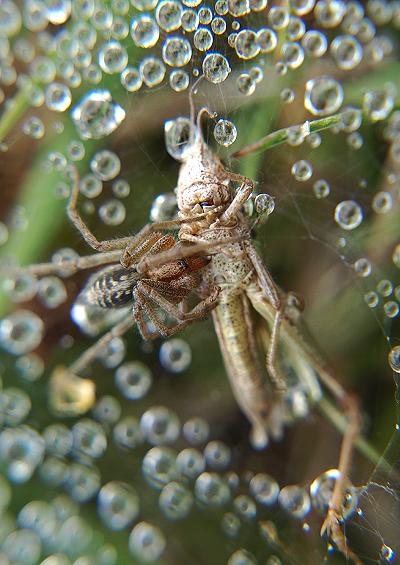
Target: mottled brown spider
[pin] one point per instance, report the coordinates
(163, 288)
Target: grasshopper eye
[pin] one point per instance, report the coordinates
(206, 203)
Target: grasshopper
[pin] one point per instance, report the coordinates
(215, 258)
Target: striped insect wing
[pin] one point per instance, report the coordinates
(111, 287)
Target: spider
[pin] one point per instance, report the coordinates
(123, 281)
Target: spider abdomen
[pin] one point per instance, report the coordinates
(111, 287)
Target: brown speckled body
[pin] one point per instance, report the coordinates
(204, 185)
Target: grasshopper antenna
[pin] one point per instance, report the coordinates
(195, 121)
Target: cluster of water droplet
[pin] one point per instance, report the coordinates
(143, 44)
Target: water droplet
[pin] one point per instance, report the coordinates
(196, 431)
(160, 425)
(230, 524)
(382, 202)
(391, 309)
(113, 57)
(384, 287)
(394, 358)
(21, 288)
(177, 136)
(302, 170)
(175, 355)
(371, 299)
(34, 127)
(216, 67)
(152, 71)
(363, 267)
(30, 367)
(97, 115)
(351, 119)
(245, 84)
(347, 52)
(218, 455)
(190, 462)
(21, 451)
(131, 79)
(238, 8)
(179, 80)
(387, 553)
(105, 164)
(58, 97)
(203, 39)
(278, 17)
(121, 188)
(21, 332)
(348, 214)
(211, 489)
(176, 51)
(15, 406)
(22, 546)
(264, 204)
(127, 433)
(246, 44)
(133, 379)
(89, 438)
(396, 255)
(242, 557)
(314, 43)
(329, 13)
(57, 11)
(218, 26)
(58, 439)
(82, 484)
(377, 104)
(264, 489)
(175, 501)
(321, 188)
(189, 20)
(112, 212)
(323, 96)
(51, 291)
(117, 505)
(267, 40)
(302, 7)
(295, 501)
(168, 15)
(144, 31)
(146, 542)
(10, 18)
(321, 491)
(292, 54)
(225, 132)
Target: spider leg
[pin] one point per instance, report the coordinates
(142, 304)
(182, 250)
(90, 354)
(64, 269)
(148, 229)
(196, 313)
(153, 242)
(139, 308)
(88, 236)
